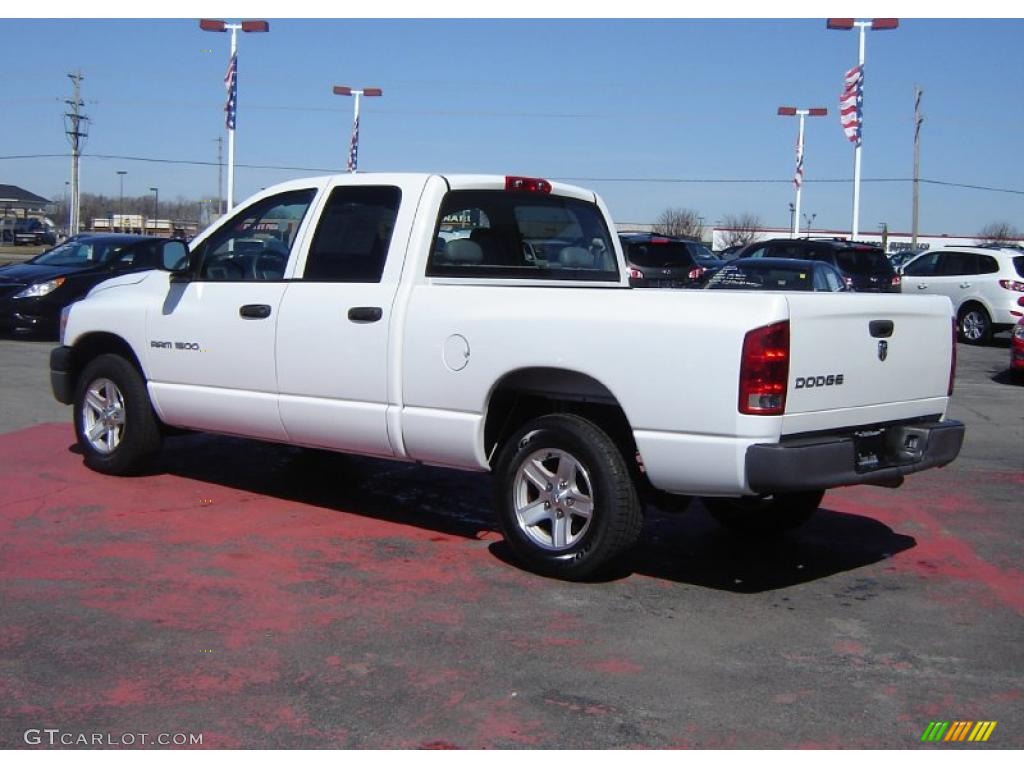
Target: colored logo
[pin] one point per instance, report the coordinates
(958, 730)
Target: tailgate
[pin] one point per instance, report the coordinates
(873, 357)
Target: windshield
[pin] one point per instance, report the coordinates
(867, 261)
(78, 254)
(759, 276)
(654, 255)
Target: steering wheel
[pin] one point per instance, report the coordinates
(268, 265)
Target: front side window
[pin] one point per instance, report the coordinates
(255, 244)
(925, 265)
(491, 233)
(353, 235)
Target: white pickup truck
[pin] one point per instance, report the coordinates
(487, 323)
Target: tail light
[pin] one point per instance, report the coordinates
(527, 184)
(764, 370)
(895, 282)
(848, 282)
(1012, 285)
(952, 363)
(635, 274)
(695, 273)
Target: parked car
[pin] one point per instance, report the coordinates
(659, 261)
(1017, 347)
(864, 266)
(983, 284)
(729, 252)
(31, 231)
(33, 293)
(778, 275)
(900, 258)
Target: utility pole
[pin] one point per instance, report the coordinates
(918, 119)
(75, 126)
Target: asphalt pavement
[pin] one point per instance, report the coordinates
(264, 597)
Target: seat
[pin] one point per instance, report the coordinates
(575, 257)
(463, 251)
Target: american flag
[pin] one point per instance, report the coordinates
(353, 149)
(798, 177)
(851, 104)
(231, 83)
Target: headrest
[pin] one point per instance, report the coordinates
(574, 256)
(463, 252)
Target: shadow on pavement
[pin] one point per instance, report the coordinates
(686, 548)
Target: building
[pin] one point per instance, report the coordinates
(894, 241)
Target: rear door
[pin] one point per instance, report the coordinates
(336, 316)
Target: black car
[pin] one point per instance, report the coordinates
(769, 274)
(864, 266)
(32, 294)
(659, 261)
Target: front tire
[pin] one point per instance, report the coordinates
(565, 497)
(114, 420)
(973, 325)
(764, 515)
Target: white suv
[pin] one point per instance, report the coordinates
(983, 284)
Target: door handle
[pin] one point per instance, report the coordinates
(965, 285)
(921, 286)
(365, 314)
(254, 311)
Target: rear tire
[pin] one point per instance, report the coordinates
(764, 515)
(973, 325)
(565, 497)
(114, 420)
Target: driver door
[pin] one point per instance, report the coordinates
(210, 353)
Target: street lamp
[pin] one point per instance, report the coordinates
(231, 83)
(121, 175)
(809, 220)
(798, 175)
(156, 206)
(792, 218)
(856, 108)
(353, 148)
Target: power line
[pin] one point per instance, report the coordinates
(600, 179)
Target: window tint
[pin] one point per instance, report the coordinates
(957, 263)
(923, 266)
(352, 238)
(787, 251)
(820, 281)
(1018, 264)
(140, 256)
(863, 261)
(255, 244)
(760, 276)
(834, 280)
(522, 235)
(987, 265)
(756, 253)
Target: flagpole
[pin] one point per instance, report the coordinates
(353, 152)
(231, 126)
(799, 165)
(855, 229)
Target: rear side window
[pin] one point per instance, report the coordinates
(958, 263)
(655, 255)
(353, 235)
(1018, 264)
(863, 261)
(493, 233)
(758, 276)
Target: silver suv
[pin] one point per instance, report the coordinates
(983, 284)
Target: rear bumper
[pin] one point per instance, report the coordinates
(874, 457)
(61, 375)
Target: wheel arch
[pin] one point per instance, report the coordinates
(526, 393)
(91, 345)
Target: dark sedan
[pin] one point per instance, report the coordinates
(32, 294)
(768, 274)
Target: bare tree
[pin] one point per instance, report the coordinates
(740, 230)
(998, 231)
(680, 222)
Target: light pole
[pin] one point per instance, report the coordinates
(798, 175)
(852, 100)
(809, 220)
(231, 83)
(353, 148)
(792, 218)
(156, 206)
(120, 175)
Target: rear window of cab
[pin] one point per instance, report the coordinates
(524, 235)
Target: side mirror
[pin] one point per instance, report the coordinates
(174, 257)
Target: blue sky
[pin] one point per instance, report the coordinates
(594, 102)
